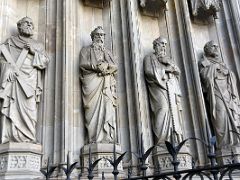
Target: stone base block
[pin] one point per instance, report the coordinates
(162, 156)
(103, 151)
(227, 155)
(20, 161)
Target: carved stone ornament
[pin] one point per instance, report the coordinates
(20, 161)
(165, 160)
(153, 7)
(205, 8)
(96, 3)
(103, 151)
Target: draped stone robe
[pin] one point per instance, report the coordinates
(19, 98)
(164, 97)
(98, 94)
(219, 85)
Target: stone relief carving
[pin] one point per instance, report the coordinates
(166, 162)
(162, 78)
(220, 89)
(103, 163)
(17, 161)
(98, 70)
(3, 163)
(153, 7)
(22, 60)
(207, 7)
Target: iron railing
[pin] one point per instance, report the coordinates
(209, 172)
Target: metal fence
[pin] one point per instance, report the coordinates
(211, 172)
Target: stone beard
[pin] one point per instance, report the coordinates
(98, 71)
(220, 89)
(162, 79)
(22, 60)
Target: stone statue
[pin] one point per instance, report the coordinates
(220, 89)
(22, 59)
(97, 75)
(162, 78)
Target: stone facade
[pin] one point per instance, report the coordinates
(64, 27)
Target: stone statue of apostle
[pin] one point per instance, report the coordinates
(220, 89)
(22, 60)
(162, 78)
(97, 74)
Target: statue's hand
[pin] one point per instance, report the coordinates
(12, 76)
(102, 67)
(176, 70)
(112, 69)
(173, 69)
(29, 47)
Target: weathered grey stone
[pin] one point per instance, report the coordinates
(153, 7)
(64, 26)
(22, 62)
(162, 78)
(96, 3)
(20, 161)
(98, 70)
(205, 8)
(165, 159)
(220, 88)
(228, 155)
(103, 151)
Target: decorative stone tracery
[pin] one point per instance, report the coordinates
(204, 8)
(153, 7)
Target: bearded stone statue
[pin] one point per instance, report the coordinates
(97, 74)
(221, 94)
(162, 79)
(22, 60)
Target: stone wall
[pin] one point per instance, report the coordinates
(64, 27)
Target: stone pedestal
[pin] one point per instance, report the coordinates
(101, 150)
(225, 156)
(20, 161)
(162, 156)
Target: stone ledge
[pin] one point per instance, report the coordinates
(21, 147)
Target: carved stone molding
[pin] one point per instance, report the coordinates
(205, 8)
(96, 3)
(153, 7)
(228, 155)
(165, 159)
(104, 151)
(20, 160)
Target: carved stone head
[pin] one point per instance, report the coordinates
(25, 27)
(98, 35)
(160, 46)
(211, 49)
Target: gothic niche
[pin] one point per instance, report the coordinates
(205, 8)
(96, 3)
(153, 7)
